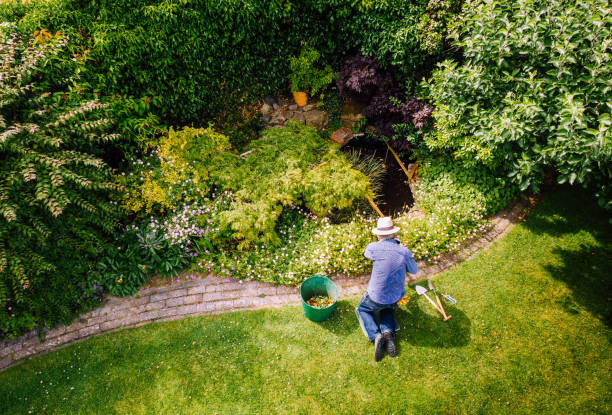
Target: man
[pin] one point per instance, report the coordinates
(386, 287)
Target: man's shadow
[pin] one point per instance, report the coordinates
(417, 327)
(420, 328)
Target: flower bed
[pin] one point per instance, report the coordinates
(451, 208)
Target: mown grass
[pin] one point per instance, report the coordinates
(530, 334)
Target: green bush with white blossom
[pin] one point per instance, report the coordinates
(532, 92)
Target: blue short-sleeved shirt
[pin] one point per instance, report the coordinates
(391, 261)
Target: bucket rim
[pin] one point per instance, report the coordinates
(335, 296)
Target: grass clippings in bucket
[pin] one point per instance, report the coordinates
(319, 301)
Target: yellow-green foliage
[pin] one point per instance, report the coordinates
(288, 166)
(187, 159)
(333, 183)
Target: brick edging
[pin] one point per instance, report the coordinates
(212, 295)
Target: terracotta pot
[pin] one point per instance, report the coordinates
(300, 98)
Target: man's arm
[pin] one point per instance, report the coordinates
(368, 253)
(411, 265)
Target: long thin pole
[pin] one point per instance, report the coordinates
(399, 162)
(375, 207)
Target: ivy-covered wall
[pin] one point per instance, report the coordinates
(200, 56)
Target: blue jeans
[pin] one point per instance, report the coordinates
(367, 312)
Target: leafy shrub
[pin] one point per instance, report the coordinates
(161, 246)
(442, 230)
(199, 57)
(387, 111)
(337, 249)
(452, 204)
(308, 245)
(142, 251)
(361, 78)
(389, 30)
(332, 105)
(532, 92)
(364, 80)
(240, 123)
(262, 261)
(180, 171)
(436, 22)
(304, 76)
(286, 166)
(54, 187)
(476, 187)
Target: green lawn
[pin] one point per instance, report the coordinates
(530, 334)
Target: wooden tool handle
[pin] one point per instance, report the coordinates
(433, 304)
(442, 308)
(400, 163)
(375, 207)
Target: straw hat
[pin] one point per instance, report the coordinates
(385, 227)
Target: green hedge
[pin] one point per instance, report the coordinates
(200, 56)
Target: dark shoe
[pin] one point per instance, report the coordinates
(391, 350)
(379, 345)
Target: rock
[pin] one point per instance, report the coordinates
(341, 136)
(349, 120)
(316, 118)
(293, 107)
(266, 118)
(278, 119)
(353, 107)
(307, 107)
(299, 117)
(266, 109)
(270, 101)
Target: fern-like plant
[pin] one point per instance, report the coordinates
(287, 166)
(54, 187)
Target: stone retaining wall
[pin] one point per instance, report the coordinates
(212, 295)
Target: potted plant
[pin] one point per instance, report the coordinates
(305, 78)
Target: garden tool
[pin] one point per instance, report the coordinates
(449, 299)
(423, 291)
(432, 288)
(375, 207)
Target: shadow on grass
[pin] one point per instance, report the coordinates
(343, 320)
(567, 210)
(420, 328)
(583, 263)
(588, 273)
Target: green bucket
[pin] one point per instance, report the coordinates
(318, 286)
